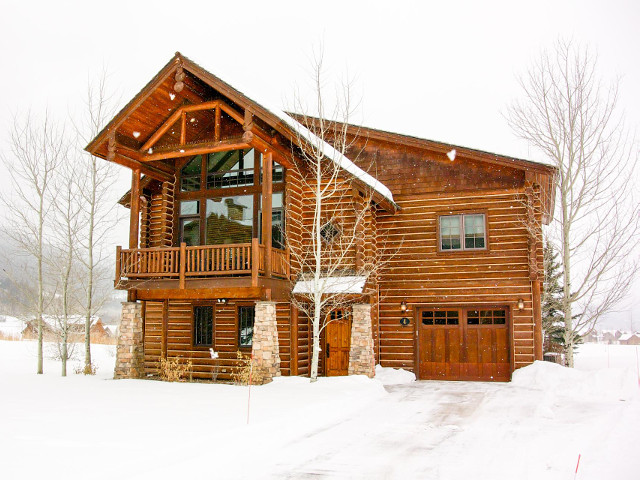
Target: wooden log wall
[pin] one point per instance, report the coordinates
(426, 185)
(156, 217)
(169, 328)
(293, 209)
(420, 275)
(340, 210)
(304, 344)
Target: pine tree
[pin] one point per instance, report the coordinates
(554, 326)
(552, 317)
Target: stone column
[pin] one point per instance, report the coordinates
(361, 359)
(265, 349)
(130, 352)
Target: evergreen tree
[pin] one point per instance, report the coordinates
(552, 291)
(553, 323)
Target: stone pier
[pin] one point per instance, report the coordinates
(266, 349)
(130, 351)
(361, 357)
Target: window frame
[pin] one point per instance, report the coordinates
(203, 194)
(462, 214)
(213, 325)
(240, 305)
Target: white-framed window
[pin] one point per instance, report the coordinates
(463, 232)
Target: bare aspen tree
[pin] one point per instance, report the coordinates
(66, 213)
(99, 216)
(568, 115)
(36, 150)
(323, 250)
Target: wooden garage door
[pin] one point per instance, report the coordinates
(464, 344)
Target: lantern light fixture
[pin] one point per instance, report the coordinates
(520, 304)
(403, 306)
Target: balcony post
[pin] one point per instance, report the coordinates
(267, 190)
(134, 221)
(255, 259)
(183, 265)
(118, 266)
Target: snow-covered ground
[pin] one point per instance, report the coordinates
(350, 427)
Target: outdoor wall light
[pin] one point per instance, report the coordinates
(520, 304)
(403, 306)
(222, 300)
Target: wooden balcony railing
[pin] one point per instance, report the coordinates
(198, 262)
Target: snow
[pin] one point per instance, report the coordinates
(11, 326)
(394, 376)
(337, 284)
(343, 427)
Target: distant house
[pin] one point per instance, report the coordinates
(629, 339)
(100, 333)
(30, 331)
(592, 337)
(611, 337)
(51, 330)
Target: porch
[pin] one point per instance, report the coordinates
(252, 260)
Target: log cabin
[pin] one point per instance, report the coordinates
(215, 205)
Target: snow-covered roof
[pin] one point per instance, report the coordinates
(334, 155)
(305, 134)
(337, 284)
(627, 336)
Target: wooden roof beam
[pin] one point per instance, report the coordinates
(196, 149)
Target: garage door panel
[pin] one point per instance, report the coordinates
(474, 345)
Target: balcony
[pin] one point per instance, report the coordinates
(139, 266)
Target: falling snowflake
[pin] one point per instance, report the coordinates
(452, 155)
(172, 96)
(136, 134)
(150, 150)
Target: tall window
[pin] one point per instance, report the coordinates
(246, 317)
(220, 199)
(202, 326)
(463, 232)
(277, 220)
(229, 220)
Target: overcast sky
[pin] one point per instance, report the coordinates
(439, 70)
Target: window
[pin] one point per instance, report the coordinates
(220, 197)
(190, 222)
(231, 169)
(229, 220)
(329, 232)
(277, 221)
(246, 316)
(486, 317)
(440, 317)
(463, 232)
(202, 326)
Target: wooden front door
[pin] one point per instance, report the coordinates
(337, 344)
(463, 344)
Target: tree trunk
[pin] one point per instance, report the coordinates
(566, 298)
(40, 283)
(89, 297)
(315, 357)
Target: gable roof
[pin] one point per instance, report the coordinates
(283, 123)
(543, 174)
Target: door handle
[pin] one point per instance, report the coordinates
(328, 350)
